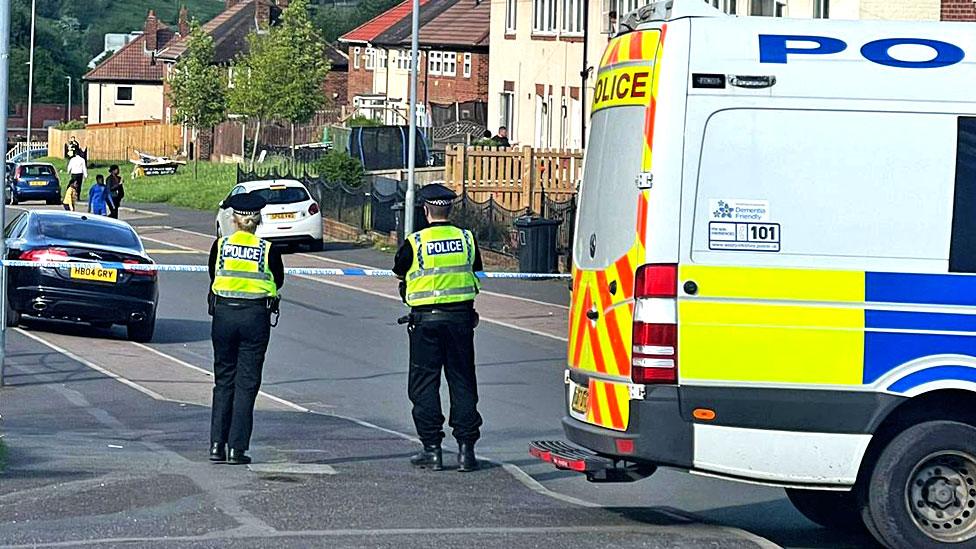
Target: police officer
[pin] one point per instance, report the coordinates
(246, 275)
(436, 266)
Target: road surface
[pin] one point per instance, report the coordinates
(338, 361)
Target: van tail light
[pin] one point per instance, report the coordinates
(139, 272)
(44, 254)
(655, 351)
(313, 209)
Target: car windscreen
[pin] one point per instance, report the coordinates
(86, 232)
(283, 195)
(34, 171)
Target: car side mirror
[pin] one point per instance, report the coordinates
(221, 204)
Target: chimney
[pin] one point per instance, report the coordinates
(184, 21)
(282, 4)
(149, 31)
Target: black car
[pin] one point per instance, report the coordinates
(33, 181)
(101, 295)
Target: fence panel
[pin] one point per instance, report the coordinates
(118, 141)
(515, 179)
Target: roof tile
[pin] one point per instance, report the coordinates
(132, 63)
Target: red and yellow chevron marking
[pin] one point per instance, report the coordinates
(609, 405)
(652, 108)
(604, 345)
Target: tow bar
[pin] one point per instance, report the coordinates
(566, 456)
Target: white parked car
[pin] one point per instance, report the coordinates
(291, 217)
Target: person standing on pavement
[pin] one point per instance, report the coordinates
(437, 267)
(77, 172)
(246, 275)
(116, 190)
(99, 199)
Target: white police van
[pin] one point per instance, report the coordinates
(773, 266)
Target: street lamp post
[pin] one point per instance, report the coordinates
(408, 207)
(30, 78)
(67, 113)
(4, 81)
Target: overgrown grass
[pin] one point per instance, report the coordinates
(3, 455)
(211, 186)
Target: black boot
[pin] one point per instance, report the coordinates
(237, 457)
(429, 458)
(218, 451)
(467, 462)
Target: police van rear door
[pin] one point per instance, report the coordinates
(610, 231)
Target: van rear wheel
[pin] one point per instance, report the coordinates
(922, 491)
(833, 510)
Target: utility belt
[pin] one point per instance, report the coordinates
(271, 304)
(440, 315)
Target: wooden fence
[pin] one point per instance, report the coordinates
(119, 141)
(515, 178)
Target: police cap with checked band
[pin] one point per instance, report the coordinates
(246, 203)
(437, 195)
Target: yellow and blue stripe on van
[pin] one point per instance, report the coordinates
(887, 332)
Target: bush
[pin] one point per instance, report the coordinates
(360, 120)
(71, 125)
(339, 166)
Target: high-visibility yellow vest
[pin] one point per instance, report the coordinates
(242, 270)
(443, 267)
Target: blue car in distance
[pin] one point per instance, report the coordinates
(33, 181)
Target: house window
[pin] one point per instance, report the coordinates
(728, 6)
(768, 8)
(507, 113)
(434, 65)
(821, 9)
(123, 95)
(573, 16)
(615, 11)
(355, 57)
(369, 59)
(510, 10)
(450, 63)
(403, 60)
(544, 16)
(467, 65)
(383, 59)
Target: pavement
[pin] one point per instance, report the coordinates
(107, 438)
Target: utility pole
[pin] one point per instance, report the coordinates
(584, 73)
(67, 114)
(30, 77)
(408, 207)
(4, 84)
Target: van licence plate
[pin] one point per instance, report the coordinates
(581, 396)
(94, 273)
(289, 215)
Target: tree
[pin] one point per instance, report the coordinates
(305, 92)
(282, 74)
(197, 87)
(258, 79)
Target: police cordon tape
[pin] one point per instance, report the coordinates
(306, 271)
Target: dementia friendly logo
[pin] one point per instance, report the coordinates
(724, 211)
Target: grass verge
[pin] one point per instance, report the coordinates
(3, 456)
(211, 185)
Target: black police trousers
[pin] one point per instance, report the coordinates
(240, 333)
(447, 344)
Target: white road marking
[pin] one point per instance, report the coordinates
(292, 468)
(93, 366)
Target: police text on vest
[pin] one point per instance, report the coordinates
(439, 247)
(236, 251)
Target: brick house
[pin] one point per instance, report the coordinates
(133, 83)
(452, 82)
(958, 10)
